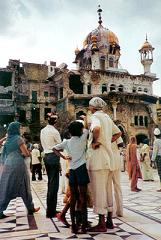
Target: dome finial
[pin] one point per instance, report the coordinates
(146, 37)
(99, 14)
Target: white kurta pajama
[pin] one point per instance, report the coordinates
(115, 177)
(100, 162)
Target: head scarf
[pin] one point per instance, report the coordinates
(97, 103)
(13, 134)
(13, 129)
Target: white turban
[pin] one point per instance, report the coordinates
(156, 131)
(35, 145)
(97, 102)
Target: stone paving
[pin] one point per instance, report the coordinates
(141, 221)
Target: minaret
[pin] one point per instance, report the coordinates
(146, 53)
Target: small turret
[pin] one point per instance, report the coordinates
(146, 53)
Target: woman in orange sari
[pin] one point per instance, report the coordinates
(133, 164)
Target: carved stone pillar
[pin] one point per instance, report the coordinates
(85, 90)
(114, 106)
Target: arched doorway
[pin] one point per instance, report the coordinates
(140, 138)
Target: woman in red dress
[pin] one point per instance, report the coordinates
(133, 164)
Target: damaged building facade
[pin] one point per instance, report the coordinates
(26, 94)
(129, 98)
(28, 91)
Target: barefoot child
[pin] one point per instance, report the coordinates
(78, 175)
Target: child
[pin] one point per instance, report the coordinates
(78, 175)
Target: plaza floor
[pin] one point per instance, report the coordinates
(141, 220)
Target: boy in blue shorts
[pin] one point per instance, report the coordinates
(78, 175)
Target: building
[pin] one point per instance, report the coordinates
(130, 100)
(6, 96)
(26, 94)
(28, 91)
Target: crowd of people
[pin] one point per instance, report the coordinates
(90, 158)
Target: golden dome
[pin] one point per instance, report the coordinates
(94, 38)
(146, 45)
(103, 35)
(112, 38)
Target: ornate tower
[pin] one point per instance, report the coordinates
(101, 49)
(146, 53)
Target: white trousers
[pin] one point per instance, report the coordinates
(101, 189)
(114, 176)
(63, 180)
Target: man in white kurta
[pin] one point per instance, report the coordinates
(100, 162)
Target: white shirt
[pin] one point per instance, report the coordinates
(101, 158)
(116, 154)
(35, 154)
(49, 137)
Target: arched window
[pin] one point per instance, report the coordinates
(89, 88)
(145, 90)
(120, 88)
(136, 120)
(104, 88)
(141, 123)
(112, 87)
(61, 92)
(111, 62)
(139, 89)
(146, 121)
(134, 89)
(102, 63)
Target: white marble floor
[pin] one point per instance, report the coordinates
(141, 220)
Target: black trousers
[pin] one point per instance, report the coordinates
(52, 164)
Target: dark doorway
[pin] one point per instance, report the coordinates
(75, 84)
(22, 116)
(140, 138)
(35, 113)
(6, 119)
